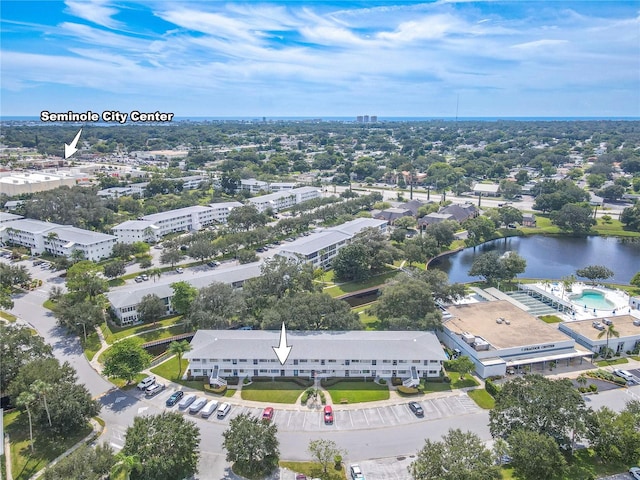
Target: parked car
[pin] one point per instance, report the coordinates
(144, 277)
(186, 401)
(179, 270)
(635, 472)
(174, 398)
(356, 472)
(416, 409)
(209, 408)
(328, 415)
(138, 279)
(197, 405)
(212, 264)
(146, 382)
(301, 476)
(625, 374)
(223, 410)
(154, 389)
(267, 414)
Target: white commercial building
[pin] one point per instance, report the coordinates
(320, 248)
(248, 353)
(124, 301)
(592, 334)
(498, 335)
(59, 240)
(19, 183)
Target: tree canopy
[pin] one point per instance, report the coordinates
(166, 444)
(125, 359)
(595, 272)
(459, 455)
(252, 445)
(494, 267)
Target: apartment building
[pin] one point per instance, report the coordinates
(285, 199)
(248, 353)
(59, 240)
(222, 210)
(253, 186)
(124, 301)
(320, 248)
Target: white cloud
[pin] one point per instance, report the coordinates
(95, 11)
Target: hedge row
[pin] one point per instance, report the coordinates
(217, 390)
(303, 382)
(491, 388)
(330, 382)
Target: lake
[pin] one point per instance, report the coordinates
(552, 257)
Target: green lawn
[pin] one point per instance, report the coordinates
(48, 304)
(92, 345)
(112, 333)
(272, 392)
(122, 383)
(370, 322)
(358, 392)
(348, 287)
(583, 465)
(456, 382)
(314, 470)
(482, 398)
(8, 316)
(550, 319)
(169, 370)
(613, 361)
(24, 463)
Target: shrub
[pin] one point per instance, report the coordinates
(593, 387)
(245, 381)
(446, 379)
(396, 382)
(304, 398)
(407, 390)
(323, 400)
(382, 381)
(216, 390)
(491, 388)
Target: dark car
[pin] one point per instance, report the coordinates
(174, 398)
(328, 415)
(416, 408)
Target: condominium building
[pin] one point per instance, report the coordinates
(59, 240)
(222, 210)
(320, 248)
(253, 186)
(124, 301)
(285, 198)
(248, 353)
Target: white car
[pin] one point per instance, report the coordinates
(635, 472)
(154, 389)
(356, 472)
(625, 374)
(146, 383)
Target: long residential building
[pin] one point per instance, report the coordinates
(59, 240)
(285, 198)
(124, 301)
(150, 228)
(320, 248)
(249, 353)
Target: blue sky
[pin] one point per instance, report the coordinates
(321, 58)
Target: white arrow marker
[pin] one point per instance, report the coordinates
(282, 350)
(71, 149)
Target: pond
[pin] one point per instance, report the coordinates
(552, 257)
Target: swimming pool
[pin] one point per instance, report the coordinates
(592, 299)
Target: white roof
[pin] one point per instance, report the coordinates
(81, 237)
(31, 226)
(314, 242)
(7, 217)
(132, 294)
(135, 225)
(157, 217)
(486, 187)
(352, 345)
(229, 205)
(357, 225)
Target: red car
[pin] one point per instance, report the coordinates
(267, 414)
(328, 415)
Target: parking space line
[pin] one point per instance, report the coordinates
(364, 412)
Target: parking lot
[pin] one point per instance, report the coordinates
(290, 419)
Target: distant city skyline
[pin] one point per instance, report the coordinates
(388, 59)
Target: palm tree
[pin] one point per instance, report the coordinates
(41, 389)
(155, 273)
(26, 399)
(124, 466)
(610, 331)
(178, 348)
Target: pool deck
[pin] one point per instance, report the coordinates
(623, 325)
(619, 298)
